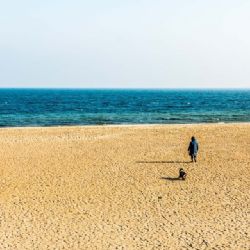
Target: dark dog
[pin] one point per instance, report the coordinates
(182, 174)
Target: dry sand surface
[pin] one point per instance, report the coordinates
(111, 188)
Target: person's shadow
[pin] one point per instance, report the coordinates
(169, 162)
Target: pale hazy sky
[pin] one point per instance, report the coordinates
(130, 43)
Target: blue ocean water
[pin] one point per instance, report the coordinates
(53, 107)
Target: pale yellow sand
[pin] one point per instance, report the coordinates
(104, 188)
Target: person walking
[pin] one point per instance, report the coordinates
(193, 149)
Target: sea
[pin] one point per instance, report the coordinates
(66, 107)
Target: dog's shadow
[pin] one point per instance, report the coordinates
(171, 178)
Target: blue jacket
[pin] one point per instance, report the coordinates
(193, 147)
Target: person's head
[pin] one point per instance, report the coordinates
(181, 169)
(193, 138)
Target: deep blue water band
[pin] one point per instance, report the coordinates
(52, 107)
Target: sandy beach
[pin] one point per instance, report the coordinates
(114, 187)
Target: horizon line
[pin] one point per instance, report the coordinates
(135, 88)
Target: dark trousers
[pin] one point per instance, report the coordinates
(193, 157)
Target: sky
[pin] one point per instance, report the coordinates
(125, 44)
